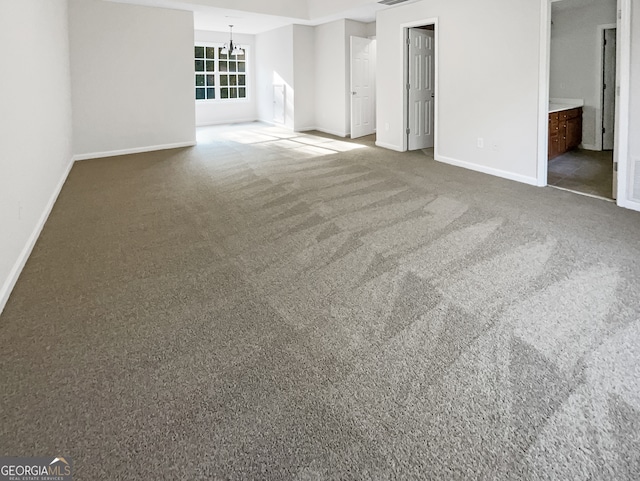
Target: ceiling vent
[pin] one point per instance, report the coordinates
(392, 2)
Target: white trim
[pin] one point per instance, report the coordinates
(135, 150)
(405, 103)
(16, 270)
(268, 122)
(228, 122)
(600, 57)
(306, 128)
(487, 170)
(384, 145)
(590, 147)
(621, 142)
(326, 131)
(593, 196)
(543, 92)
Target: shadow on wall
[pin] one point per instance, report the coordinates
(283, 96)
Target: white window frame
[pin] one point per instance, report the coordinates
(216, 72)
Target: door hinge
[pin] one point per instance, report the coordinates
(408, 131)
(603, 130)
(615, 167)
(408, 41)
(605, 42)
(604, 86)
(408, 86)
(619, 14)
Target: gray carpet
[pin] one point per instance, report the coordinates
(277, 306)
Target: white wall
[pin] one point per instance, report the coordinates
(328, 8)
(274, 66)
(218, 112)
(304, 77)
(371, 30)
(575, 58)
(634, 107)
(488, 73)
(35, 125)
(132, 77)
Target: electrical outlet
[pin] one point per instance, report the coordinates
(480, 143)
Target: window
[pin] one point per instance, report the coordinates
(219, 75)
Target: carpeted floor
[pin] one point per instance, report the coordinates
(270, 305)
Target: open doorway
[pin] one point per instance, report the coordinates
(582, 97)
(420, 75)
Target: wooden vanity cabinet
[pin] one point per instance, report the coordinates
(565, 131)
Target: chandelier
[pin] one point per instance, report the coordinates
(230, 47)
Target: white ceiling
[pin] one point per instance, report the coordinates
(207, 16)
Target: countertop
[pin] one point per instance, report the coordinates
(558, 107)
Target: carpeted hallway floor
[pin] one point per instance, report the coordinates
(270, 305)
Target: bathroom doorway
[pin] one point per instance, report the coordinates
(582, 85)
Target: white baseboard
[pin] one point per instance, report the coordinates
(384, 145)
(228, 122)
(331, 132)
(488, 170)
(589, 147)
(305, 129)
(135, 150)
(14, 274)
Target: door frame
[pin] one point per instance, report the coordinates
(404, 31)
(623, 56)
(600, 57)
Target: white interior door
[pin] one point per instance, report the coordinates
(421, 87)
(279, 104)
(362, 86)
(609, 89)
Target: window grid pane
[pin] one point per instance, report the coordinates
(210, 63)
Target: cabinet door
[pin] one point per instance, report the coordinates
(574, 133)
(562, 137)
